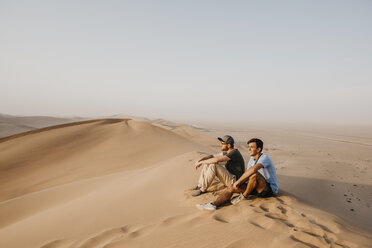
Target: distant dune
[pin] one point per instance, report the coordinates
(10, 125)
(124, 183)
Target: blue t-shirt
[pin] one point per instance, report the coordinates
(268, 171)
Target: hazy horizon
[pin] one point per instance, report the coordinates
(194, 61)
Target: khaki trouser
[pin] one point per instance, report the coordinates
(210, 171)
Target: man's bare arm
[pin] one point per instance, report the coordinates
(214, 160)
(247, 174)
(206, 157)
(203, 159)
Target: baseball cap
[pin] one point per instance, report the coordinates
(227, 139)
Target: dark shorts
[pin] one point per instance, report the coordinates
(267, 192)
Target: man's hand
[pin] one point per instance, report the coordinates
(197, 164)
(236, 185)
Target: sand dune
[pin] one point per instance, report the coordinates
(123, 183)
(52, 156)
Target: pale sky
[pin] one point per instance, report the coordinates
(295, 61)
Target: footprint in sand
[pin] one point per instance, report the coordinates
(279, 217)
(326, 226)
(178, 219)
(229, 215)
(113, 237)
(129, 240)
(274, 208)
(105, 237)
(141, 231)
(285, 200)
(58, 244)
(194, 221)
(220, 218)
(96, 241)
(345, 244)
(239, 243)
(309, 240)
(271, 224)
(314, 231)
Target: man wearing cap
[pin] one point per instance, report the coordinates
(227, 174)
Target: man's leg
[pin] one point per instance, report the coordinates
(224, 175)
(226, 196)
(207, 176)
(255, 181)
(202, 175)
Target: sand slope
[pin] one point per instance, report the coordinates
(66, 153)
(123, 183)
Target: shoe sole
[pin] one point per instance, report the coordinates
(202, 208)
(235, 201)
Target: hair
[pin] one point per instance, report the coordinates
(258, 142)
(232, 145)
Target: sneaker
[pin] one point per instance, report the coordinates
(237, 199)
(195, 188)
(206, 206)
(199, 192)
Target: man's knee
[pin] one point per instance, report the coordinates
(230, 188)
(212, 167)
(254, 176)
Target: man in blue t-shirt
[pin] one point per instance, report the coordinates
(259, 179)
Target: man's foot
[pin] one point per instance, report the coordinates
(238, 198)
(206, 206)
(195, 188)
(199, 192)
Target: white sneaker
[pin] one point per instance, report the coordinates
(237, 199)
(206, 206)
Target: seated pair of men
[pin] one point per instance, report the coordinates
(259, 179)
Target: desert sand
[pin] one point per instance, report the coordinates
(125, 183)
